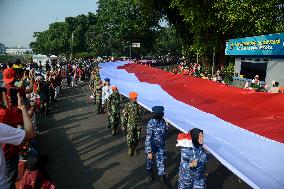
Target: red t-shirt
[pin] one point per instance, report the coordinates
(29, 179)
(13, 117)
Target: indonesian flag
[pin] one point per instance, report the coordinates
(244, 129)
(184, 140)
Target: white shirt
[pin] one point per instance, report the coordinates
(8, 135)
(255, 81)
(106, 92)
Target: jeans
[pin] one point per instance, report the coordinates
(72, 81)
(12, 171)
(57, 91)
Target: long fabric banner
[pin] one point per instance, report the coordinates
(242, 134)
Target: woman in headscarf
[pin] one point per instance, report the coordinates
(193, 160)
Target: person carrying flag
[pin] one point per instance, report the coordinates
(193, 160)
(132, 120)
(113, 104)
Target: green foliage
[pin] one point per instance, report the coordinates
(84, 55)
(167, 41)
(122, 22)
(228, 72)
(2, 48)
(117, 24)
(195, 26)
(58, 38)
(205, 25)
(8, 57)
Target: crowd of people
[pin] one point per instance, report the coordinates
(27, 91)
(196, 70)
(129, 116)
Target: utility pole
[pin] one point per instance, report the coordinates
(130, 41)
(213, 61)
(72, 37)
(197, 57)
(130, 50)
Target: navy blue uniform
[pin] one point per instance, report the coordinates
(192, 177)
(155, 144)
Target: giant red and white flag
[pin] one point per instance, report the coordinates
(243, 129)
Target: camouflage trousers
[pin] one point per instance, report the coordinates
(99, 104)
(186, 181)
(114, 119)
(160, 157)
(133, 136)
(95, 99)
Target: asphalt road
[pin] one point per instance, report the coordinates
(84, 155)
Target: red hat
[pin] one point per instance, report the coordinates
(114, 88)
(9, 75)
(133, 95)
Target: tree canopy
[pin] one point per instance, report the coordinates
(194, 26)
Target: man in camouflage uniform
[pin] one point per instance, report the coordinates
(155, 143)
(132, 119)
(96, 81)
(98, 93)
(92, 85)
(113, 104)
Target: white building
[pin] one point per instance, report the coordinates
(259, 55)
(19, 51)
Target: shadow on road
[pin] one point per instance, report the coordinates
(84, 154)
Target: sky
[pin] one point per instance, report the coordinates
(19, 19)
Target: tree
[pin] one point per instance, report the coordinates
(2, 48)
(55, 40)
(205, 25)
(58, 38)
(200, 26)
(167, 41)
(121, 22)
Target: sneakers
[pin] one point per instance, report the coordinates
(164, 179)
(130, 152)
(136, 152)
(114, 132)
(151, 176)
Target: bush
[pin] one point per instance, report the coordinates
(6, 58)
(84, 55)
(228, 73)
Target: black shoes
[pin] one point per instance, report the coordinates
(130, 151)
(114, 133)
(164, 179)
(151, 176)
(136, 152)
